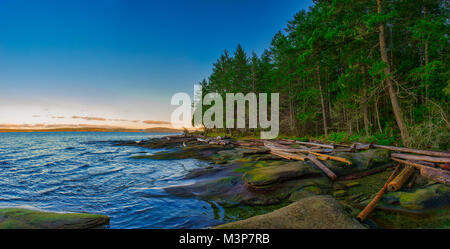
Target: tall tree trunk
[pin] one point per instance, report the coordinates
(426, 56)
(322, 101)
(365, 103)
(377, 117)
(392, 94)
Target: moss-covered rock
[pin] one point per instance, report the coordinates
(361, 161)
(430, 197)
(317, 212)
(19, 218)
(270, 175)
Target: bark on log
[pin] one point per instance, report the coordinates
(422, 158)
(434, 174)
(369, 208)
(401, 178)
(322, 166)
(415, 151)
(339, 159)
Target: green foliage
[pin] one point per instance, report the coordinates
(327, 67)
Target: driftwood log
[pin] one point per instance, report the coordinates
(316, 144)
(401, 178)
(421, 158)
(322, 166)
(288, 155)
(336, 158)
(371, 206)
(415, 151)
(434, 174)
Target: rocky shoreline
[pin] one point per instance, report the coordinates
(253, 188)
(257, 189)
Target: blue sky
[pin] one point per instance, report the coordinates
(120, 59)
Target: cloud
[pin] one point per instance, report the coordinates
(36, 116)
(58, 117)
(89, 118)
(155, 122)
(118, 120)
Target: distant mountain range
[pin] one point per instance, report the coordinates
(96, 129)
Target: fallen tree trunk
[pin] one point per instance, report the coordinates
(422, 158)
(369, 208)
(359, 146)
(410, 150)
(288, 156)
(280, 154)
(283, 148)
(322, 166)
(400, 179)
(316, 144)
(339, 159)
(434, 174)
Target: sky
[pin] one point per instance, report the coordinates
(118, 62)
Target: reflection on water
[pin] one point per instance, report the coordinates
(85, 172)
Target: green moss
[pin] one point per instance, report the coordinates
(434, 196)
(272, 174)
(339, 193)
(369, 185)
(351, 184)
(16, 218)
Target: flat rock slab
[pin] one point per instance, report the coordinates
(316, 212)
(19, 218)
(273, 174)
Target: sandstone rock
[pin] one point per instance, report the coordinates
(317, 212)
(269, 175)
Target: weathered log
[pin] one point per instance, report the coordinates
(316, 144)
(401, 178)
(424, 163)
(277, 145)
(442, 176)
(359, 146)
(288, 156)
(288, 149)
(340, 159)
(434, 174)
(286, 141)
(422, 158)
(415, 151)
(322, 166)
(369, 208)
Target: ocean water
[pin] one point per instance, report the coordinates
(85, 172)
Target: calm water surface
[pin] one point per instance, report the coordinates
(85, 172)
